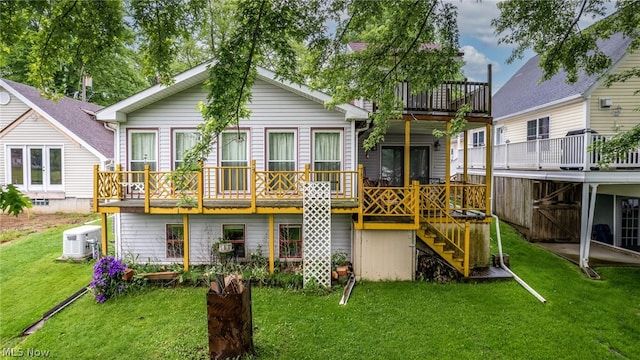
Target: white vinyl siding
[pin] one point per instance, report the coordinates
(143, 237)
(621, 94)
(11, 111)
(272, 108)
(77, 161)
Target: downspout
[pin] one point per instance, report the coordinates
(356, 148)
(502, 265)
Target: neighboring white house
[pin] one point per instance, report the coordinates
(48, 148)
(547, 181)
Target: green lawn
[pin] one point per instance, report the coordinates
(583, 319)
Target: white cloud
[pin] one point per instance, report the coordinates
(475, 67)
(474, 19)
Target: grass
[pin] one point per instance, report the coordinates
(582, 319)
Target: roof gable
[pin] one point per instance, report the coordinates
(522, 91)
(69, 115)
(198, 75)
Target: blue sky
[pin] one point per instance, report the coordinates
(480, 45)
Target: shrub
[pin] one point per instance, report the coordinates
(107, 278)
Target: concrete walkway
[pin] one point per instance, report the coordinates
(599, 255)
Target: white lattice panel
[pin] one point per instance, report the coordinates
(316, 257)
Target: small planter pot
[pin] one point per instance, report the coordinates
(128, 274)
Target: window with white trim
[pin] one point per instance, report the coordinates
(499, 135)
(36, 167)
(143, 147)
(478, 138)
(538, 128)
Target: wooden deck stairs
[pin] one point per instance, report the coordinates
(440, 247)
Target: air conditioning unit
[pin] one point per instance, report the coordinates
(76, 242)
(605, 103)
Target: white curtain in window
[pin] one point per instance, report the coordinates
(234, 149)
(184, 142)
(143, 144)
(281, 151)
(326, 151)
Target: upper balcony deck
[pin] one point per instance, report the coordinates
(246, 190)
(564, 153)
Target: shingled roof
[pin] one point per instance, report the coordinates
(522, 92)
(70, 114)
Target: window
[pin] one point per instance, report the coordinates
(233, 157)
(281, 152)
(36, 168)
(142, 150)
(290, 240)
(175, 240)
(327, 157)
(478, 139)
(499, 135)
(235, 235)
(538, 128)
(17, 166)
(183, 141)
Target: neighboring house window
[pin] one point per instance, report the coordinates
(234, 160)
(175, 240)
(235, 234)
(183, 141)
(281, 156)
(143, 147)
(478, 138)
(499, 135)
(538, 128)
(36, 168)
(327, 157)
(290, 236)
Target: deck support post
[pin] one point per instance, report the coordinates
(488, 171)
(104, 233)
(586, 223)
(185, 224)
(271, 245)
(447, 175)
(407, 152)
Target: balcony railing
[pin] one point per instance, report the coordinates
(245, 186)
(566, 153)
(447, 98)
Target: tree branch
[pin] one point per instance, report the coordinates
(254, 41)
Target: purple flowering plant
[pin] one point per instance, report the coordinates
(107, 278)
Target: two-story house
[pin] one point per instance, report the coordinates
(547, 181)
(47, 148)
(292, 180)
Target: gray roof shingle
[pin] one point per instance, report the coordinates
(522, 91)
(70, 114)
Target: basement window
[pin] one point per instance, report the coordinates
(40, 202)
(290, 240)
(175, 240)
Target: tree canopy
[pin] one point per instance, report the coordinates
(301, 41)
(552, 29)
